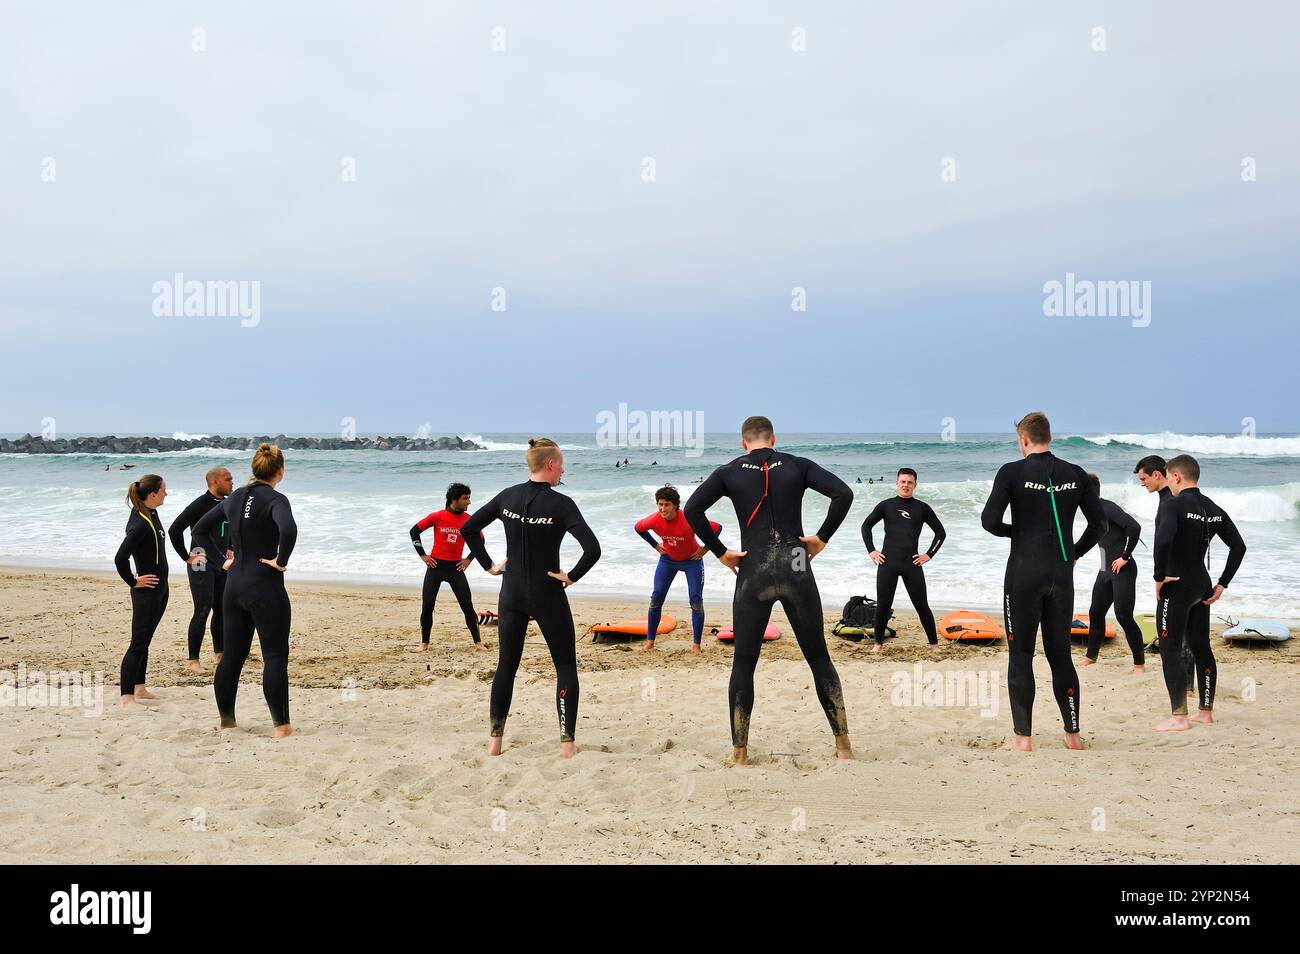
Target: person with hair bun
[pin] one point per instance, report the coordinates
(146, 544)
(261, 533)
(536, 518)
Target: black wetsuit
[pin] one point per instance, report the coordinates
(208, 579)
(766, 488)
(260, 524)
(904, 517)
(1044, 493)
(1188, 521)
(145, 544)
(1119, 589)
(535, 517)
(1189, 661)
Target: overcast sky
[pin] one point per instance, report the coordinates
(523, 169)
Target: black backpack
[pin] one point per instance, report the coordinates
(859, 619)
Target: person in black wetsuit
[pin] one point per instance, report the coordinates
(145, 544)
(446, 564)
(766, 488)
(536, 517)
(899, 557)
(1152, 475)
(262, 534)
(203, 567)
(1044, 493)
(1116, 581)
(1188, 521)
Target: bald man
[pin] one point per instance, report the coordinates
(203, 563)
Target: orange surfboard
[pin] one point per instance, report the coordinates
(1079, 627)
(636, 627)
(970, 627)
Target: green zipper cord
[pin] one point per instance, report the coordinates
(1051, 493)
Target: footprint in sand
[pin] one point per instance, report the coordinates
(278, 818)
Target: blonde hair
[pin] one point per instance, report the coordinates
(139, 490)
(268, 461)
(540, 451)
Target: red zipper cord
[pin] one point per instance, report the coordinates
(760, 499)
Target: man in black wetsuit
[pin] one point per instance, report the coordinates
(899, 558)
(1188, 521)
(206, 577)
(1151, 474)
(1044, 493)
(536, 517)
(766, 488)
(1116, 581)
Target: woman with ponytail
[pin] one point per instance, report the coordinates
(261, 532)
(146, 544)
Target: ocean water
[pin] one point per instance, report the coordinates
(354, 508)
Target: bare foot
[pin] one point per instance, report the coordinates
(1087, 661)
(878, 648)
(740, 755)
(1137, 669)
(568, 749)
(142, 693)
(648, 645)
(1203, 716)
(196, 666)
(1072, 740)
(282, 731)
(424, 647)
(934, 647)
(696, 648)
(128, 702)
(494, 745)
(843, 749)
(480, 645)
(1022, 743)
(1175, 723)
(231, 724)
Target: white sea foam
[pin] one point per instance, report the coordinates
(490, 445)
(1223, 445)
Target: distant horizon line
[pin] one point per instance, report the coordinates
(434, 433)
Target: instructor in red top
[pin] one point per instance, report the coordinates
(679, 552)
(445, 564)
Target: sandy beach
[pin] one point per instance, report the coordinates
(390, 764)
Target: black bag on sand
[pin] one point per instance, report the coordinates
(859, 620)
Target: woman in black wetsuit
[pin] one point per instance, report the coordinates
(145, 543)
(262, 532)
(536, 518)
